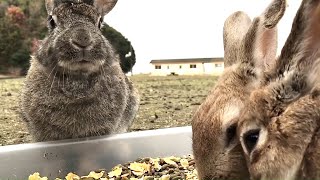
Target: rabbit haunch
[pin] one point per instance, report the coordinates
(75, 86)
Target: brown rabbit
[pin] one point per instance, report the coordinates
(279, 126)
(75, 86)
(250, 50)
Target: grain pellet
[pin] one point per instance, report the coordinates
(167, 168)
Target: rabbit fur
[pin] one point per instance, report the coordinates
(279, 128)
(250, 52)
(75, 86)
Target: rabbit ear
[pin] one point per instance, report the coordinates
(104, 6)
(301, 49)
(234, 29)
(49, 6)
(260, 43)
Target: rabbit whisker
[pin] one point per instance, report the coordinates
(53, 82)
(58, 79)
(68, 74)
(63, 77)
(52, 71)
(102, 68)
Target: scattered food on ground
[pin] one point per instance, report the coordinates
(167, 168)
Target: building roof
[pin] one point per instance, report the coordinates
(198, 60)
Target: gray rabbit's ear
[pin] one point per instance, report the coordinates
(49, 6)
(234, 29)
(104, 6)
(259, 46)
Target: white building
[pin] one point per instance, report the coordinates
(195, 66)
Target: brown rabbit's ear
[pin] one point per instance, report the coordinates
(301, 49)
(235, 28)
(104, 6)
(260, 44)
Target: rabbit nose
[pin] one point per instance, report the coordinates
(81, 39)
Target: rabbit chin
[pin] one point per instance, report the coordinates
(89, 67)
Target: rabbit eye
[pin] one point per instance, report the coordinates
(250, 139)
(51, 22)
(231, 133)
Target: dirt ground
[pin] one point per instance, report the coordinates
(165, 102)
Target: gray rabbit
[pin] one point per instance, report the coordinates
(75, 86)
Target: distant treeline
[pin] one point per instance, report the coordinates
(23, 23)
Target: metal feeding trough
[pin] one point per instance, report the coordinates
(56, 159)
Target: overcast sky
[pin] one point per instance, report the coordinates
(169, 29)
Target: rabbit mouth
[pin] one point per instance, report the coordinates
(83, 61)
(81, 65)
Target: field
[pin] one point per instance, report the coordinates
(165, 102)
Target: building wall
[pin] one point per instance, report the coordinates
(215, 68)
